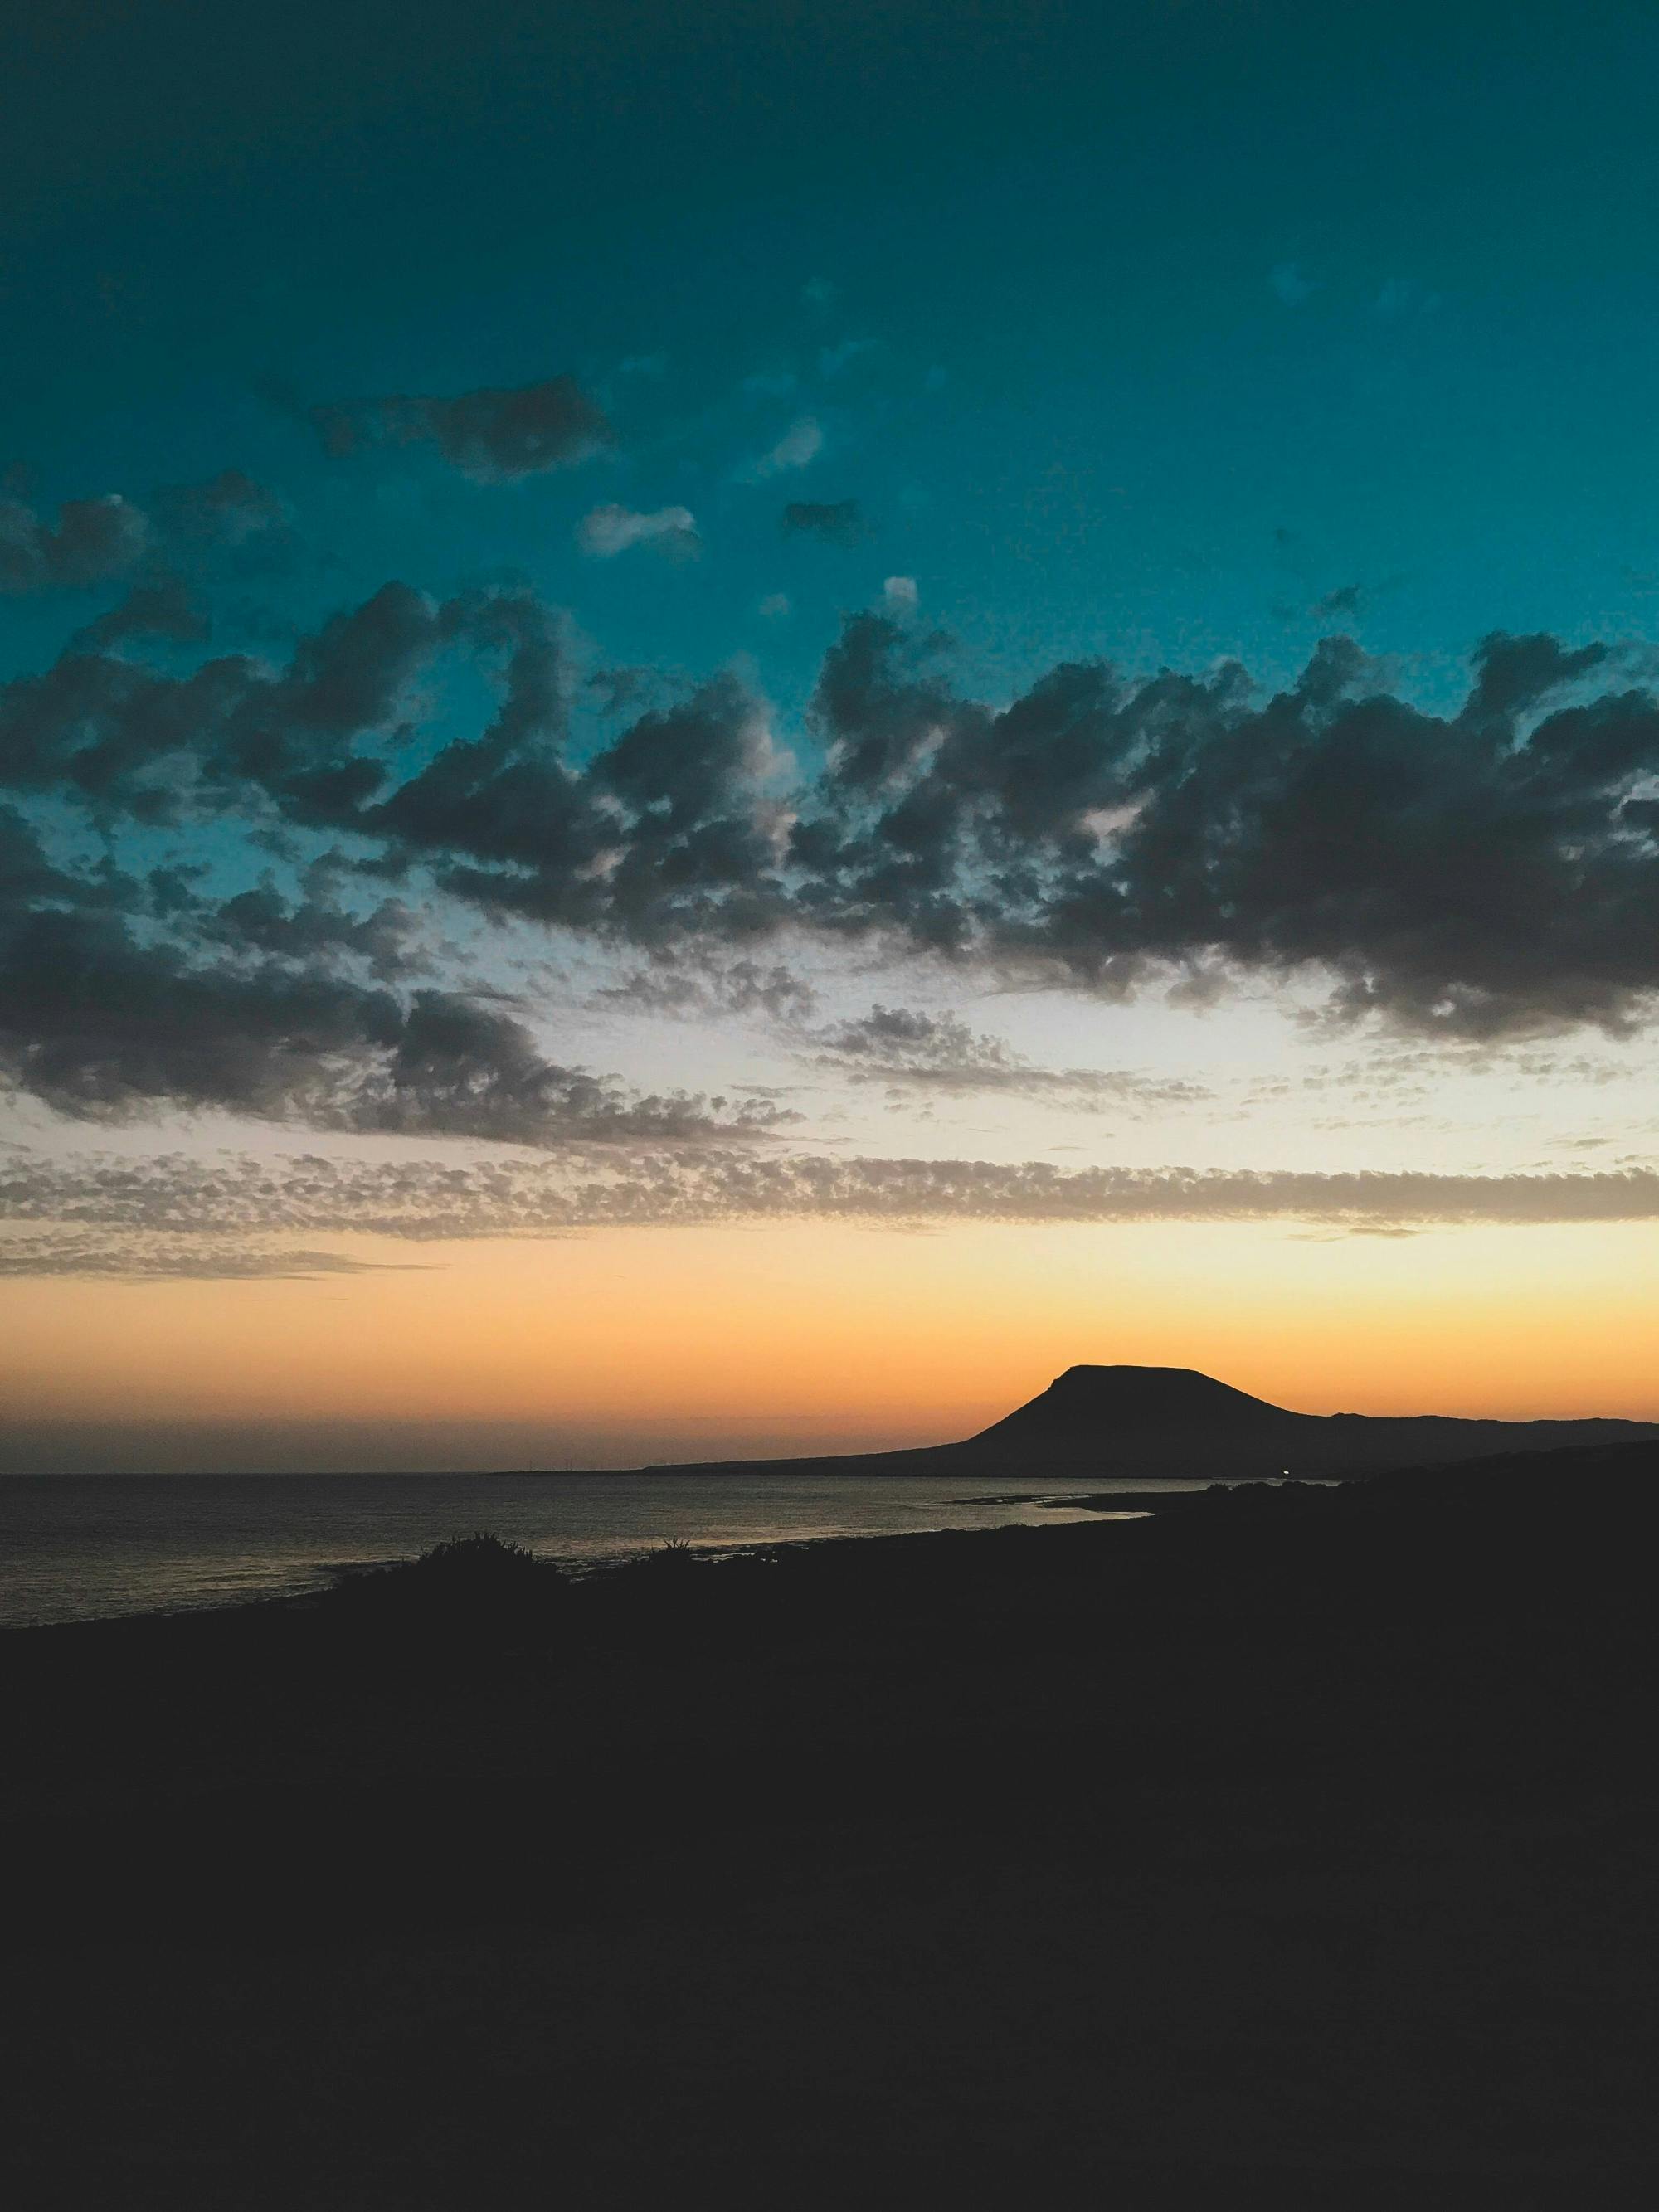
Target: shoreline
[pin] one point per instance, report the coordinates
(97, 1551)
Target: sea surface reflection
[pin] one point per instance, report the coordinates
(80, 1548)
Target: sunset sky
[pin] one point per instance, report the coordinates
(724, 730)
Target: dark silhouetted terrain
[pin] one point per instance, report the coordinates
(1172, 1422)
(1291, 1845)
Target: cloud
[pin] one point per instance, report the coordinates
(740, 987)
(310, 927)
(494, 436)
(1338, 605)
(160, 1258)
(900, 594)
(612, 530)
(461, 1069)
(833, 359)
(838, 522)
(236, 730)
(906, 1049)
(160, 609)
(775, 607)
(102, 1027)
(1290, 285)
(1488, 872)
(106, 1017)
(92, 539)
(1476, 874)
(172, 1203)
(228, 509)
(802, 442)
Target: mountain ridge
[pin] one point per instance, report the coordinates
(1173, 1423)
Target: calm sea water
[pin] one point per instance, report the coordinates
(82, 1547)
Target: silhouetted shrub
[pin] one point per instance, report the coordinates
(478, 1592)
(672, 1552)
(481, 1559)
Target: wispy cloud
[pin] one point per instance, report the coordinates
(801, 443)
(1291, 284)
(905, 1048)
(609, 530)
(151, 1259)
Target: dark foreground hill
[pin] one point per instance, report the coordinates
(1291, 1845)
(1170, 1422)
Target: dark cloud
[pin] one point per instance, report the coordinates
(27, 877)
(294, 736)
(663, 835)
(879, 699)
(1473, 874)
(236, 730)
(681, 989)
(137, 1215)
(162, 608)
(1340, 605)
(495, 436)
(308, 928)
(906, 1049)
(838, 522)
(106, 1016)
(92, 539)
(102, 1026)
(461, 1069)
(698, 844)
(226, 510)
(1515, 674)
(1490, 872)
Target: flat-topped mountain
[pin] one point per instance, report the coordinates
(1085, 1401)
(1167, 1423)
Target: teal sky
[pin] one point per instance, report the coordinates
(1135, 330)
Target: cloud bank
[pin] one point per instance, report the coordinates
(1488, 873)
(104, 1019)
(175, 1214)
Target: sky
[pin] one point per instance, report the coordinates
(724, 731)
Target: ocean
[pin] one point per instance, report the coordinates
(86, 1548)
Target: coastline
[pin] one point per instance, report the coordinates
(84, 1547)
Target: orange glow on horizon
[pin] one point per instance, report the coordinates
(700, 1343)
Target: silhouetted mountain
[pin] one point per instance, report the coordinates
(1164, 1423)
(1084, 1403)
